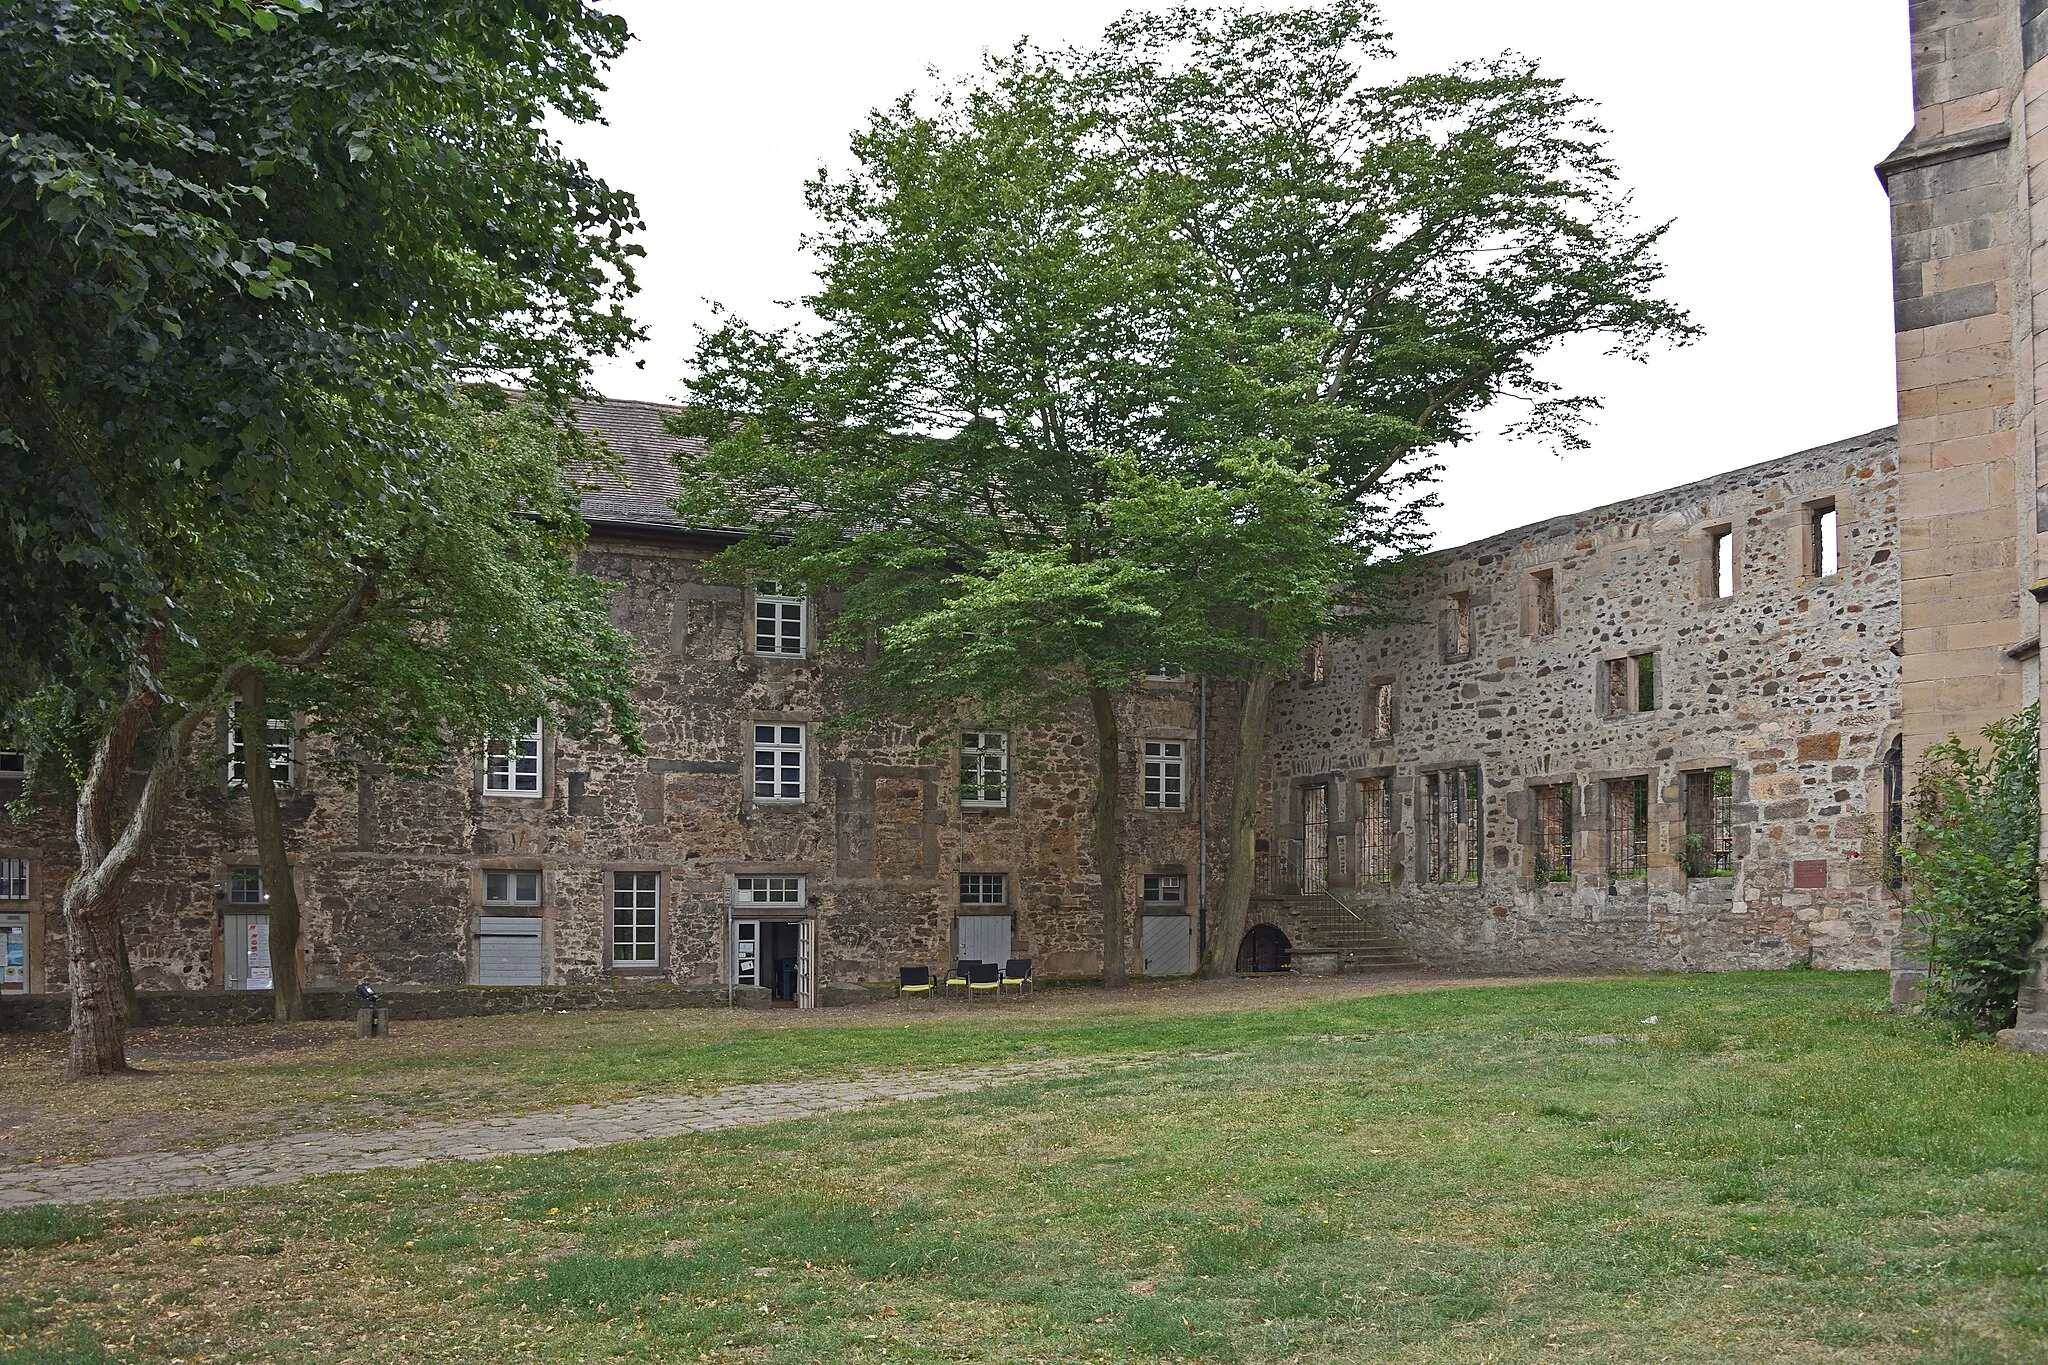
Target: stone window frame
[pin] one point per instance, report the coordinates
(1683, 773)
(1810, 541)
(1573, 820)
(611, 872)
(776, 911)
(1391, 806)
(1004, 767)
(1712, 537)
(771, 594)
(1374, 687)
(1149, 882)
(1456, 620)
(1185, 758)
(1604, 831)
(17, 871)
(1004, 881)
(539, 736)
(1603, 683)
(1533, 622)
(1315, 664)
(513, 903)
(1471, 776)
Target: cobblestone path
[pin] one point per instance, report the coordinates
(293, 1157)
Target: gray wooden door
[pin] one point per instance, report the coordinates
(1168, 945)
(247, 941)
(985, 938)
(508, 951)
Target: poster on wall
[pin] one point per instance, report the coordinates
(259, 956)
(14, 957)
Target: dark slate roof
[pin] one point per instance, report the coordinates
(641, 489)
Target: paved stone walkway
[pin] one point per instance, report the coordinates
(290, 1158)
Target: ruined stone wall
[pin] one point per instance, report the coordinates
(391, 873)
(1792, 682)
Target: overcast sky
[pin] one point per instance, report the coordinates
(1753, 131)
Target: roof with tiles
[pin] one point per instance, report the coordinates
(641, 488)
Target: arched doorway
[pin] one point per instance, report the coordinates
(1264, 949)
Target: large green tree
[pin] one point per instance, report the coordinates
(248, 247)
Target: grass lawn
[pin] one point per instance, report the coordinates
(1775, 1169)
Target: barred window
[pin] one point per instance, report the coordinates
(1376, 831)
(1451, 815)
(1165, 774)
(1165, 888)
(984, 768)
(1710, 823)
(512, 766)
(778, 762)
(983, 888)
(1628, 828)
(1554, 809)
(778, 623)
(636, 912)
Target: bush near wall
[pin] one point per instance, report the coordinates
(1972, 869)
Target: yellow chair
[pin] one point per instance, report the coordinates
(912, 982)
(984, 976)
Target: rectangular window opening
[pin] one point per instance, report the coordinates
(1166, 889)
(511, 888)
(1379, 709)
(778, 622)
(1823, 537)
(1646, 682)
(1628, 828)
(1554, 834)
(1457, 627)
(758, 892)
(1315, 667)
(1724, 565)
(13, 763)
(778, 762)
(984, 768)
(512, 766)
(245, 886)
(13, 879)
(984, 888)
(1546, 602)
(1376, 831)
(1710, 823)
(278, 738)
(1451, 817)
(636, 917)
(1165, 774)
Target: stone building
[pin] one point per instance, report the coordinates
(1658, 734)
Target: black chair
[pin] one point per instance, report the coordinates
(985, 977)
(1017, 972)
(963, 974)
(912, 982)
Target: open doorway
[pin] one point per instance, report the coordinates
(778, 957)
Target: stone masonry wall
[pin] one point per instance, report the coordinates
(1792, 682)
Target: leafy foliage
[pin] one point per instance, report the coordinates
(1972, 867)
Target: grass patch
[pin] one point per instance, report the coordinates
(1778, 1170)
(21, 1229)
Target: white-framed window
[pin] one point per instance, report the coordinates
(778, 623)
(636, 917)
(778, 762)
(1165, 774)
(758, 893)
(984, 888)
(511, 887)
(245, 886)
(283, 771)
(1166, 889)
(13, 879)
(512, 766)
(984, 768)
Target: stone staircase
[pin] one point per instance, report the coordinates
(1325, 924)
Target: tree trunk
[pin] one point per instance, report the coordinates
(131, 1005)
(92, 899)
(281, 894)
(1108, 835)
(1234, 901)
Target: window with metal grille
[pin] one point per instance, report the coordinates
(1451, 815)
(1710, 823)
(1628, 828)
(511, 888)
(1546, 601)
(1166, 889)
(778, 762)
(1376, 831)
(983, 888)
(277, 737)
(778, 623)
(245, 886)
(756, 892)
(13, 879)
(1165, 774)
(512, 766)
(984, 768)
(636, 918)
(1554, 810)
(1379, 709)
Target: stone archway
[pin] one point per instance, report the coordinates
(1263, 949)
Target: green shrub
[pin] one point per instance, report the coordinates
(1971, 865)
